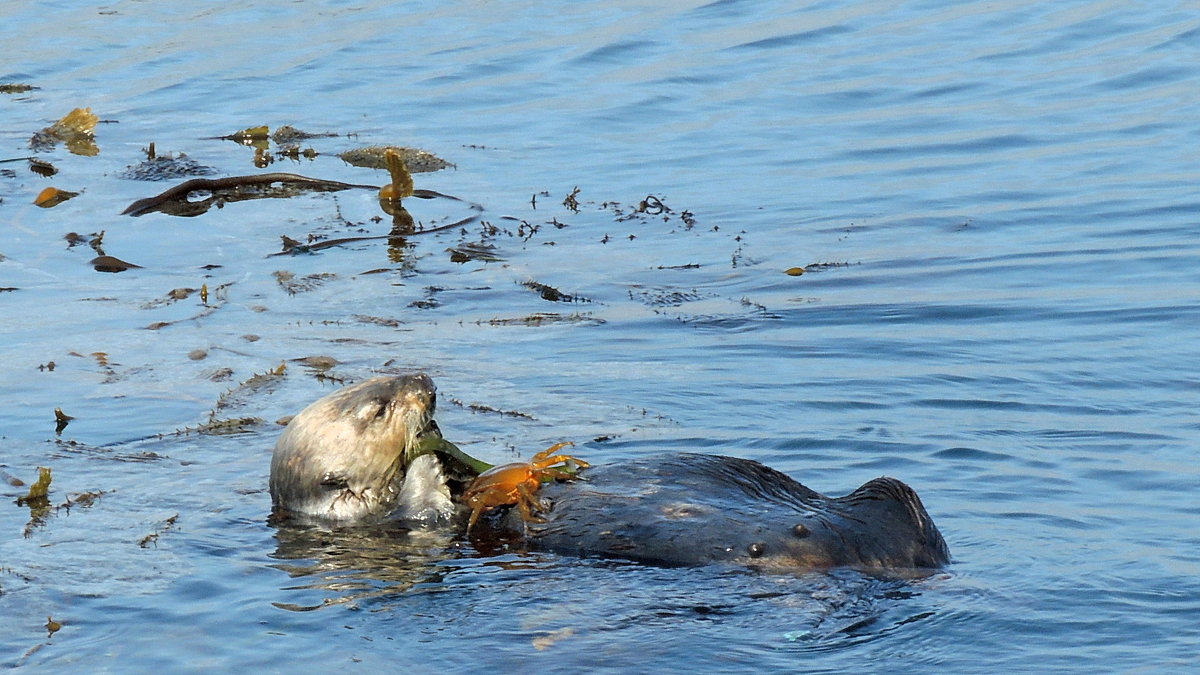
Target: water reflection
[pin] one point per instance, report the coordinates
(357, 563)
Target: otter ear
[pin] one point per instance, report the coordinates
(334, 481)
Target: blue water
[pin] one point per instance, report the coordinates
(1004, 197)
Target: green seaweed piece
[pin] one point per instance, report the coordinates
(40, 490)
(447, 450)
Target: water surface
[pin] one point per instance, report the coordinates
(995, 203)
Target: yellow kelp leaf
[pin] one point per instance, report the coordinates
(39, 490)
(402, 182)
(53, 197)
(259, 133)
(794, 271)
(79, 121)
(75, 129)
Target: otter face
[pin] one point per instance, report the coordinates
(343, 457)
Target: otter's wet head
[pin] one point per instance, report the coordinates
(344, 456)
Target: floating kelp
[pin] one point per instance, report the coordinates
(221, 427)
(390, 195)
(402, 182)
(377, 320)
(39, 492)
(812, 267)
(42, 168)
(16, 88)
(219, 296)
(293, 284)
(481, 408)
(107, 263)
(38, 501)
(172, 296)
(551, 293)
(794, 271)
(76, 129)
(571, 201)
(375, 157)
(290, 134)
(233, 189)
(152, 538)
(249, 135)
(294, 153)
(401, 228)
(75, 239)
(248, 387)
(318, 363)
(543, 319)
(165, 167)
(61, 420)
(474, 251)
(52, 196)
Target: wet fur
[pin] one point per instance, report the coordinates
(691, 509)
(343, 458)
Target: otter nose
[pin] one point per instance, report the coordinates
(419, 389)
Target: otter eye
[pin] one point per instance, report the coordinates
(383, 408)
(334, 481)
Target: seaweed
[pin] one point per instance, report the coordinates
(481, 408)
(152, 538)
(52, 196)
(375, 157)
(76, 130)
(232, 189)
(551, 293)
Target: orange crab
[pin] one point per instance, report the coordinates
(515, 484)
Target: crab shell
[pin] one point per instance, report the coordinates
(517, 483)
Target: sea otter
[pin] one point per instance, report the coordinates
(354, 455)
(372, 451)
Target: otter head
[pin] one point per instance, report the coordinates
(344, 457)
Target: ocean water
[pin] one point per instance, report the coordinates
(995, 205)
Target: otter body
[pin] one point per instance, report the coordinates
(691, 509)
(353, 457)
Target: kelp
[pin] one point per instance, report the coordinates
(402, 182)
(76, 130)
(111, 264)
(219, 297)
(152, 538)
(39, 492)
(233, 189)
(158, 167)
(52, 196)
(41, 167)
(375, 157)
(61, 420)
(551, 293)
